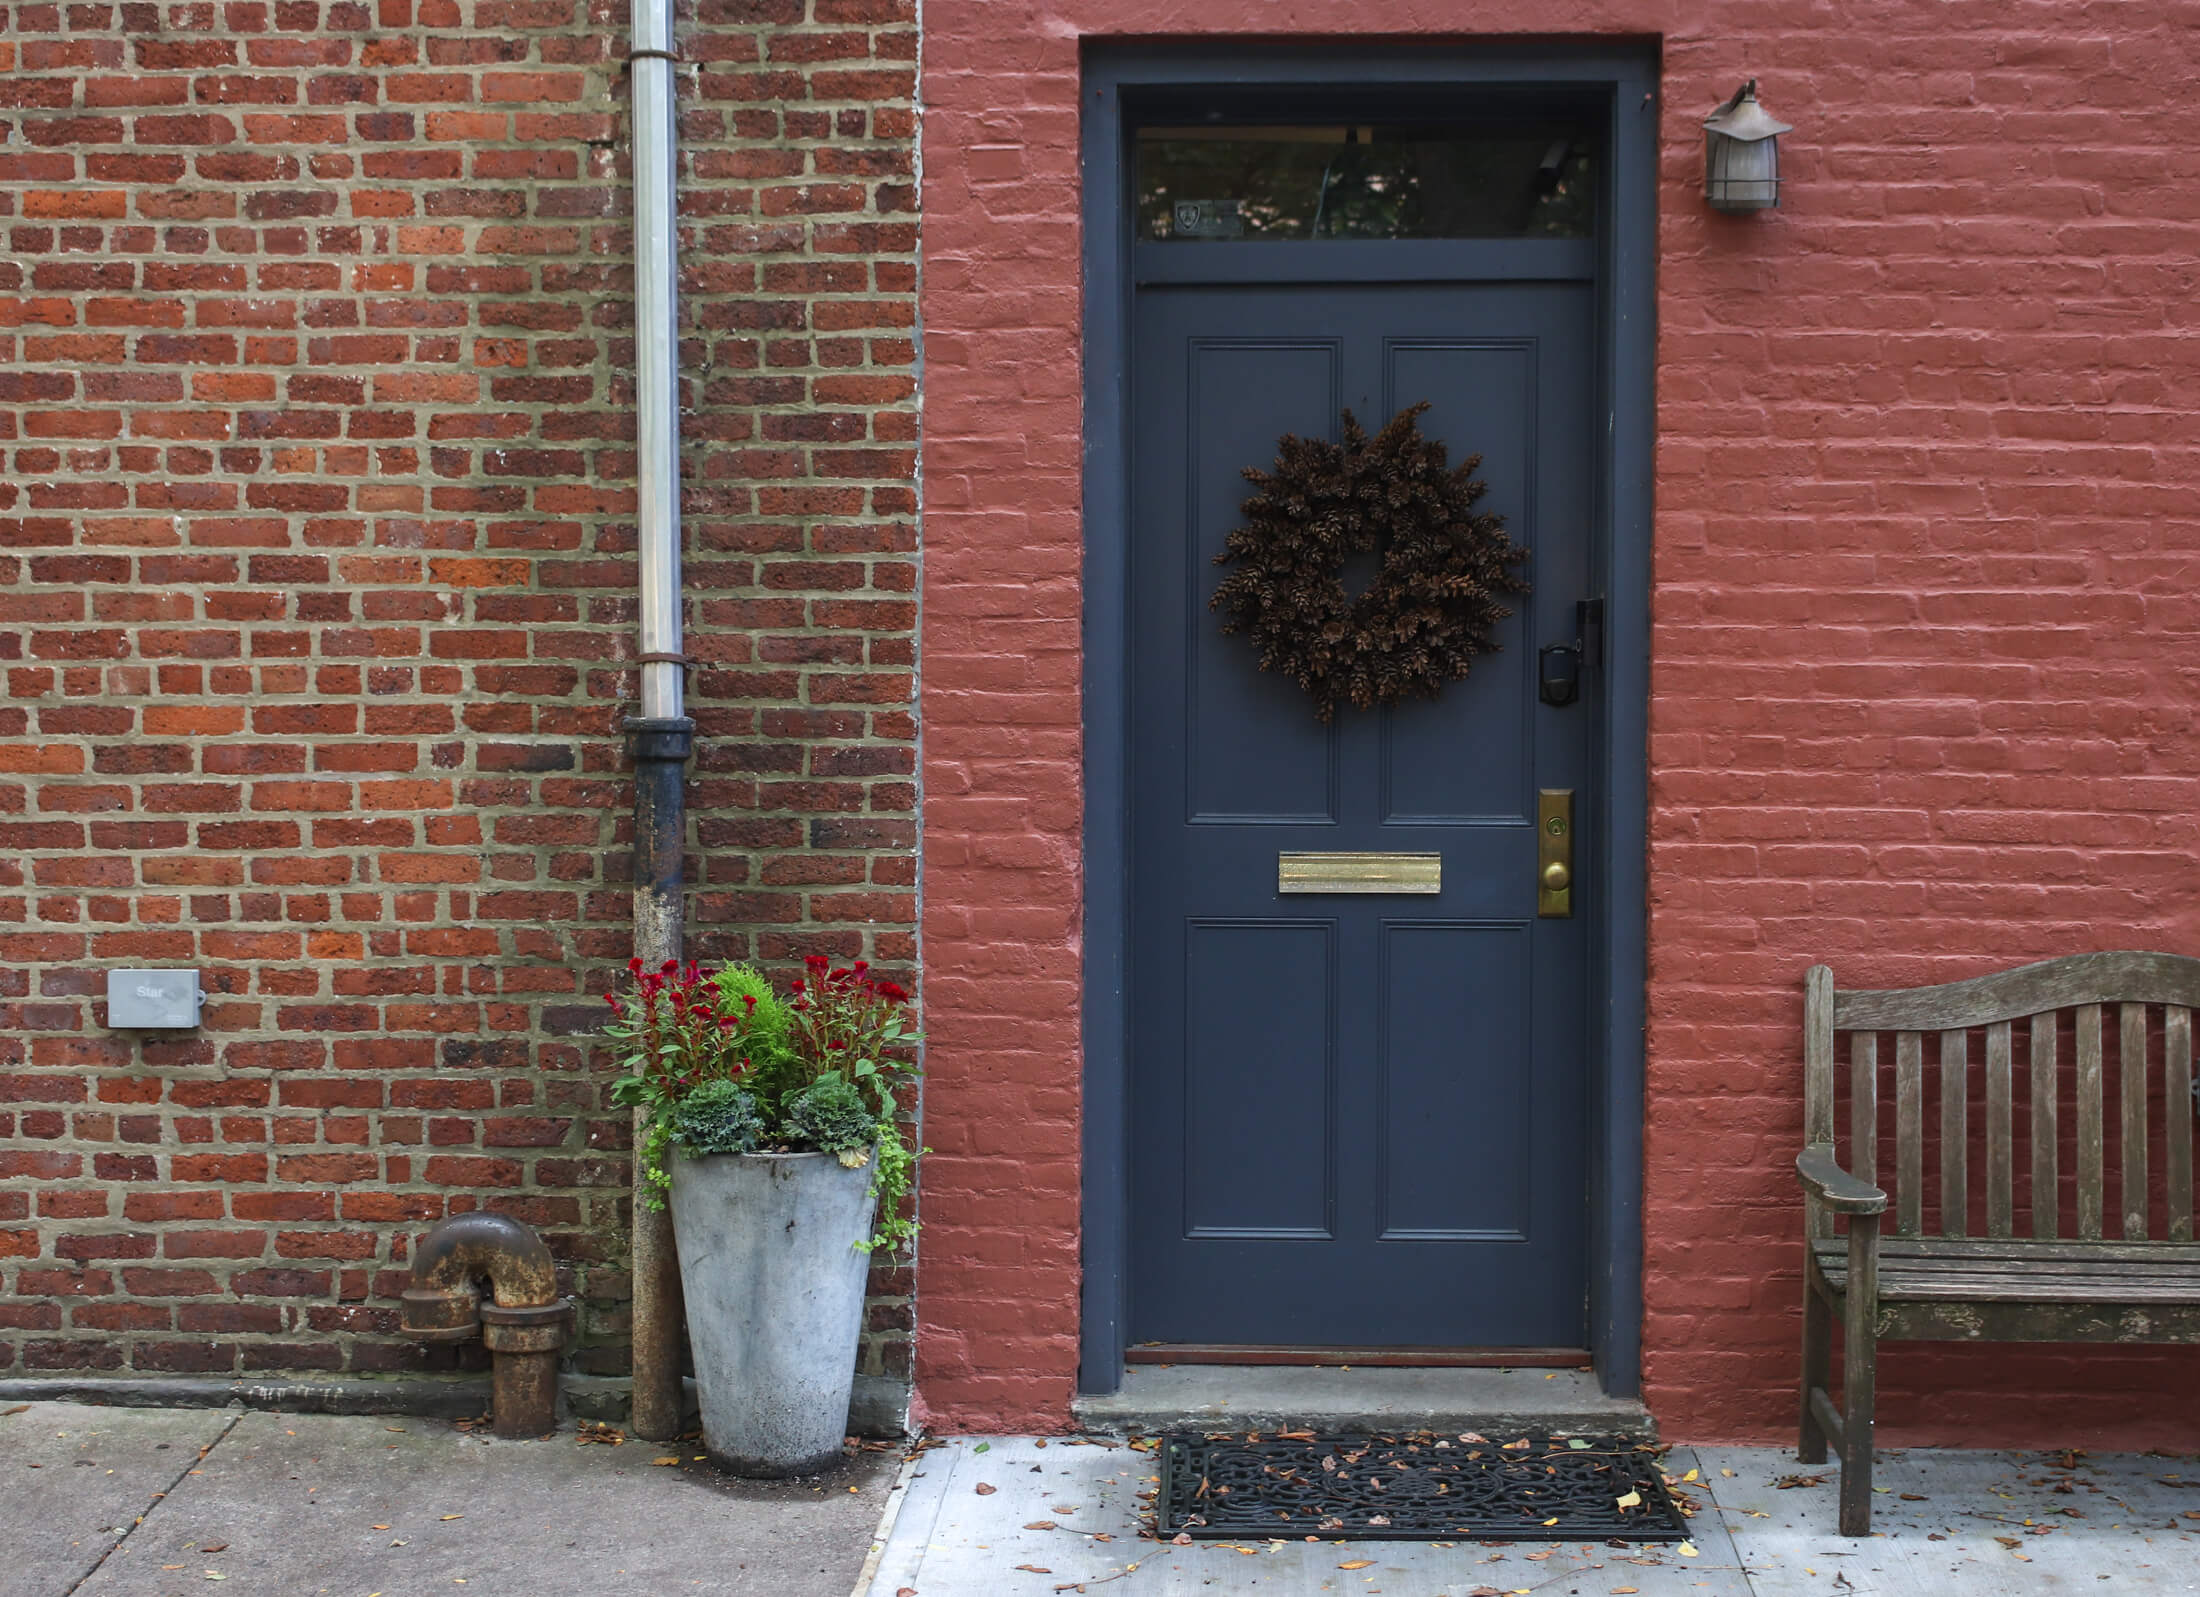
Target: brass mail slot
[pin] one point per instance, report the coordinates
(1359, 873)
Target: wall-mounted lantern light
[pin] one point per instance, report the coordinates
(1741, 154)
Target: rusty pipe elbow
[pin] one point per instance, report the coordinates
(524, 1329)
(443, 1304)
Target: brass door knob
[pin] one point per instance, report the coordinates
(1556, 877)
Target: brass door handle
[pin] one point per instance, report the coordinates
(1554, 853)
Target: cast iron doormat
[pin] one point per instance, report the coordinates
(1413, 1488)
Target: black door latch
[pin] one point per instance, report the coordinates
(1558, 665)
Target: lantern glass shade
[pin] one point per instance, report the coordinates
(1741, 174)
(1741, 154)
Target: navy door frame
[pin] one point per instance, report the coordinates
(1624, 80)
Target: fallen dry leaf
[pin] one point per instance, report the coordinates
(454, 1516)
(215, 1547)
(1034, 1569)
(1181, 1539)
(1358, 1563)
(1629, 1500)
(984, 1490)
(1041, 1524)
(666, 1460)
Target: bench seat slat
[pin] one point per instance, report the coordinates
(2021, 1248)
(1913, 1275)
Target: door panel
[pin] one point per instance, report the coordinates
(1356, 1120)
(1443, 1113)
(1253, 756)
(1264, 1100)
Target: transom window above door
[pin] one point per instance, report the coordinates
(1365, 180)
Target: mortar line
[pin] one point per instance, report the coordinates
(159, 1498)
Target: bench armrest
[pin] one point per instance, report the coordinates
(1825, 1180)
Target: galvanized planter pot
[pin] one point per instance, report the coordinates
(774, 1286)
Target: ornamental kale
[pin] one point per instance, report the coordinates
(718, 1117)
(831, 1116)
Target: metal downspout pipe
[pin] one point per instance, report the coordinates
(662, 736)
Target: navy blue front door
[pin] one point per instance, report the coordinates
(1356, 1121)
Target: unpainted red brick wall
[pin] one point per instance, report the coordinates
(1925, 559)
(315, 563)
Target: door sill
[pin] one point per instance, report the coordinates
(1240, 1397)
(1366, 1358)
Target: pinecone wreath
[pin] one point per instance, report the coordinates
(1434, 600)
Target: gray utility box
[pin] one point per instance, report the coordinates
(153, 999)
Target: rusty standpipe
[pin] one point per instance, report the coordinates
(524, 1328)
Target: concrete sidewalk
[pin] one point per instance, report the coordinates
(113, 1502)
(1027, 1518)
(116, 1502)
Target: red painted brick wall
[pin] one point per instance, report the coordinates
(1924, 566)
(315, 557)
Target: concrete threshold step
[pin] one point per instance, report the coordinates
(1233, 1397)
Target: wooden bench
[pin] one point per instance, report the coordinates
(2063, 1279)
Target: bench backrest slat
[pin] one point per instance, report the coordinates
(2177, 1133)
(1955, 1133)
(2035, 998)
(2045, 1143)
(2131, 1079)
(1864, 1104)
(2089, 1123)
(2000, 1133)
(1909, 1133)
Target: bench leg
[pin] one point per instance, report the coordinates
(1859, 1375)
(1810, 1445)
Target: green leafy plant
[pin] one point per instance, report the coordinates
(721, 1063)
(831, 1116)
(718, 1117)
